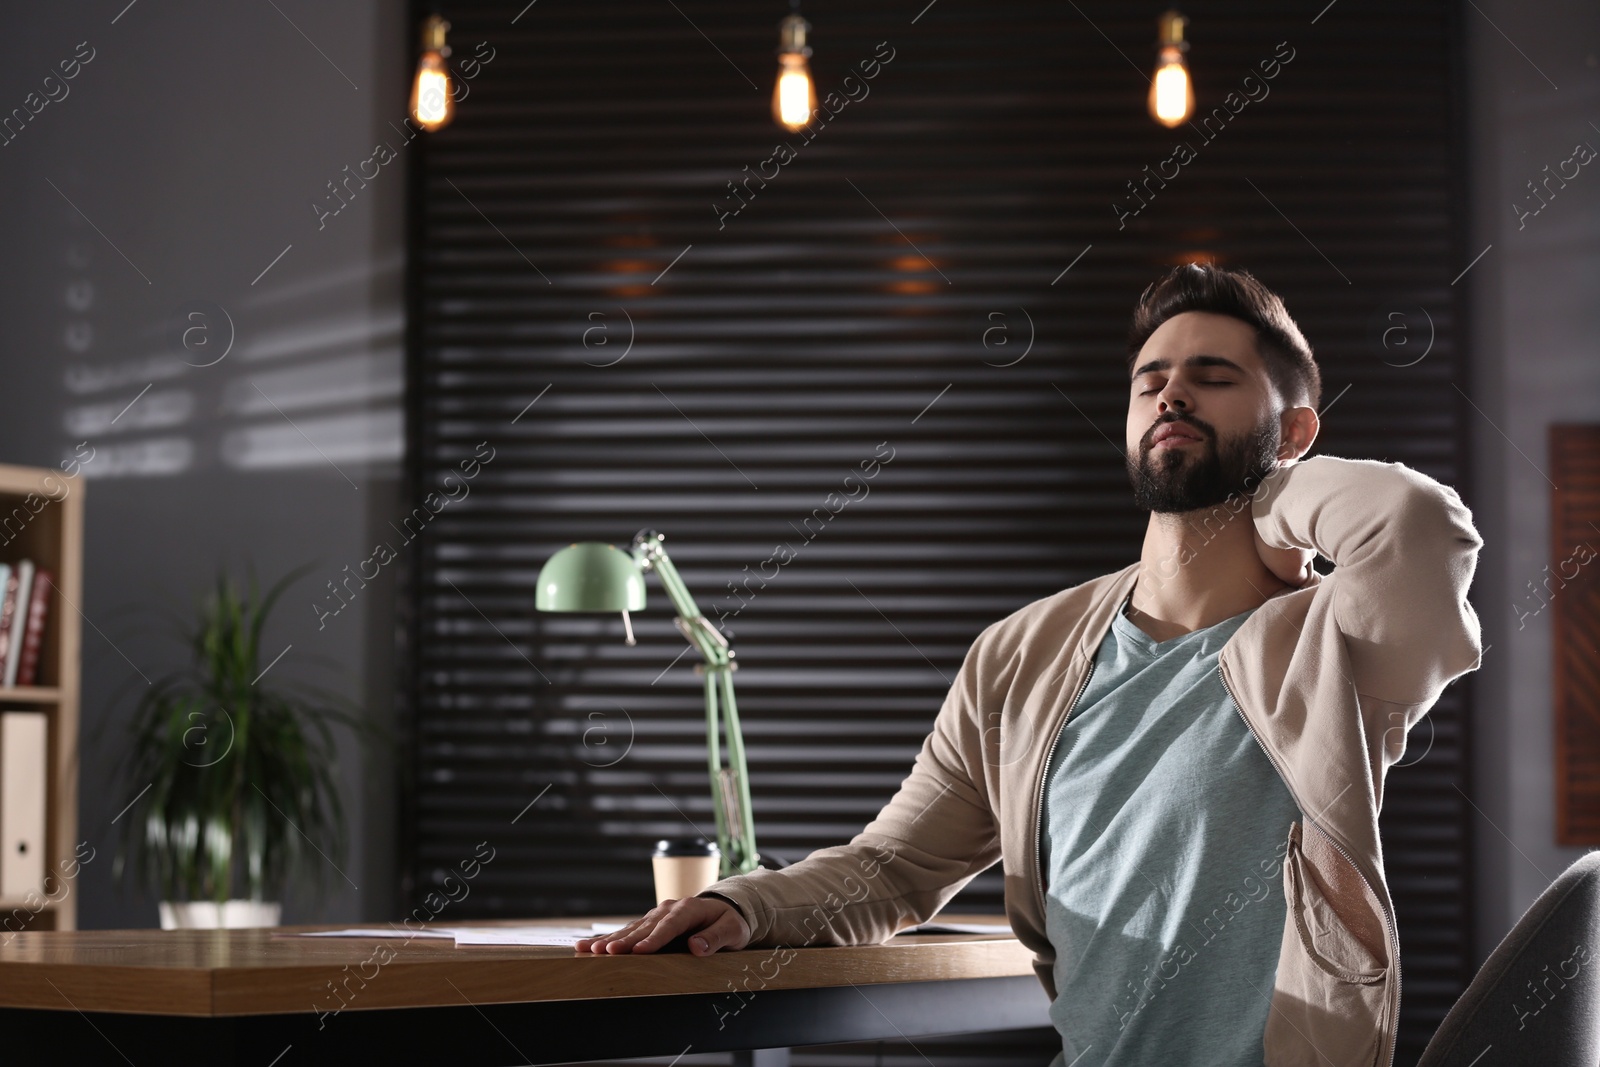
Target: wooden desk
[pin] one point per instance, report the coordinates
(231, 997)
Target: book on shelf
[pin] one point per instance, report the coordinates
(24, 605)
(33, 627)
(19, 619)
(8, 612)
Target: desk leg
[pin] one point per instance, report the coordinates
(762, 1057)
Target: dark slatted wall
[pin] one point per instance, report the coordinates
(940, 279)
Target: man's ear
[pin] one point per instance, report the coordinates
(1298, 428)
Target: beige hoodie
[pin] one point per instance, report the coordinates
(1329, 677)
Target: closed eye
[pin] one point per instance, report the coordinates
(1213, 381)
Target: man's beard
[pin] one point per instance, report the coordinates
(1171, 482)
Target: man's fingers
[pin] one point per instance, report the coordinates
(600, 943)
(585, 944)
(668, 926)
(623, 940)
(714, 924)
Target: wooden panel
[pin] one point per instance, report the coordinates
(1569, 587)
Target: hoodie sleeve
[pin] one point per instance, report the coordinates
(934, 836)
(1404, 550)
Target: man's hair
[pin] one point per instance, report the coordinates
(1237, 294)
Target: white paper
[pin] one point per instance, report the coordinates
(547, 935)
(479, 935)
(530, 935)
(378, 931)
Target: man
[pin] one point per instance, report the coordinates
(1179, 765)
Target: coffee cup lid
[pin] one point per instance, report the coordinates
(687, 846)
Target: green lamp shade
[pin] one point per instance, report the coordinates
(590, 576)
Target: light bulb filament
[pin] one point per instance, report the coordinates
(433, 89)
(795, 94)
(1172, 93)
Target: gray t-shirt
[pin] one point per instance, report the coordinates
(1162, 837)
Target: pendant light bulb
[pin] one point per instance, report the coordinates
(433, 104)
(794, 98)
(1172, 90)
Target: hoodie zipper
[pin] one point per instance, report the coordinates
(1038, 806)
(1388, 927)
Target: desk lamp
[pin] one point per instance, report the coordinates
(593, 576)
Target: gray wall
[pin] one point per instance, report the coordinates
(193, 144)
(1535, 300)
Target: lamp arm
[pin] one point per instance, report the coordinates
(738, 856)
(746, 858)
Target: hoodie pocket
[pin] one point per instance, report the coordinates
(1326, 939)
(1331, 1001)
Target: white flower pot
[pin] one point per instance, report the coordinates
(209, 915)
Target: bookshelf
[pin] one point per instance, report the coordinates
(41, 518)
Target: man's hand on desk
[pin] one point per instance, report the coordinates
(707, 923)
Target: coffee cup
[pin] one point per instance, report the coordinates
(684, 866)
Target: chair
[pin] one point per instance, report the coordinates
(1536, 999)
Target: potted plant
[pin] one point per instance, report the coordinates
(242, 795)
